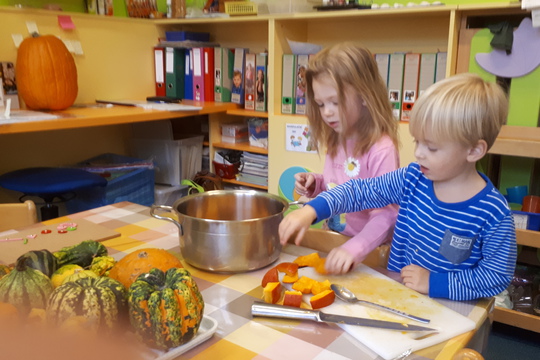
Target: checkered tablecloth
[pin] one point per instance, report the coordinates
(228, 300)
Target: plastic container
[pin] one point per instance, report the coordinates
(186, 35)
(258, 132)
(175, 159)
(526, 220)
(129, 179)
(167, 195)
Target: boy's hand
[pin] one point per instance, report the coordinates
(416, 278)
(339, 261)
(304, 184)
(296, 223)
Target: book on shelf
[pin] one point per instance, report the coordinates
(252, 179)
(300, 83)
(261, 64)
(249, 82)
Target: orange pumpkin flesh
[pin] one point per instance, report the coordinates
(141, 261)
(46, 73)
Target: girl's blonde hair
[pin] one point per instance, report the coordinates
(350, 67)
(462, 108)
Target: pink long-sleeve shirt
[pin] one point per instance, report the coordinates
(369, 228)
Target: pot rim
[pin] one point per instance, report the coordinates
(226, 192)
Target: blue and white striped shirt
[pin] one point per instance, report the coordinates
(469, 247)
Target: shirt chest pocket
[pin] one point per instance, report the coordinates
(456, 248)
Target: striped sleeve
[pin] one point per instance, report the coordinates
(360, 194)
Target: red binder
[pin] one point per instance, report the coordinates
(159, 71)
(208, 73)
(198, 74)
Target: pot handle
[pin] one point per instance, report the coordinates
(169, 209)
(297, 203)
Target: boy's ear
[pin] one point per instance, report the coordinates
(477, 151)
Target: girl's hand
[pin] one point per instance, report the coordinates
(296, 223)
(339, 261)
(416, 278)
(304, 184)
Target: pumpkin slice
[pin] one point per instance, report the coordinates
(270, 276)
(272, 292)
(312, 259)
(288, 268)
(292, 298)
(323, 299)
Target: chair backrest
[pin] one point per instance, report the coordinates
(17, 215)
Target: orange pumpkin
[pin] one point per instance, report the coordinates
(141, 261)
(46, 73)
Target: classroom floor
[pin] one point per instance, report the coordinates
(508, 343)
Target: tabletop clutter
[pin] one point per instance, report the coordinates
(151, 300)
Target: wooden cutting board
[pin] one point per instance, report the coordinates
(373, 286)
(86, 230)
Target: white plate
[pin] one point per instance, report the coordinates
(206, 330)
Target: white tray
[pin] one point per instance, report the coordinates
(206, 330)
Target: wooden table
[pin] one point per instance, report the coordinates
(228, 299)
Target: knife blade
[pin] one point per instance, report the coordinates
(289, 312)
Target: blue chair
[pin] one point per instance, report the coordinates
(50, 183)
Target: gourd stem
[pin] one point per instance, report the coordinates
(21, 264)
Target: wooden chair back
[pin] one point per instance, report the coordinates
(17, 215)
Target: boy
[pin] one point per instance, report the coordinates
(454, 236)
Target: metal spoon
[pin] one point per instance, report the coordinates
(347, 295)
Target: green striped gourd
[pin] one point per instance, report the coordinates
(102, 301)
(25, 288)
(165, 309)
(81, 254)
(42, 260)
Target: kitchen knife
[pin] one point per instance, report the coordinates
(290, 312)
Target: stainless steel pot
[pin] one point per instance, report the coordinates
(227, 230)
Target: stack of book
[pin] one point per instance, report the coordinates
(254, 169)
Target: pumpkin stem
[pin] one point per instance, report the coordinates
(35, 34)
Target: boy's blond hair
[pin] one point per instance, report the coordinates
(350, 65)
(462, 108)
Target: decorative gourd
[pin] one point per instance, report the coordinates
(25, 288)
(42, 260)
(80, 275)
(81, 254)
(103, 301)
(4, 270)
(165, 308)
(64, 272)
(102, 265)
(46, 73)
(141, 261)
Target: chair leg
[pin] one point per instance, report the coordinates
(49, 211)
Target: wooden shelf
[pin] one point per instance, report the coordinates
(517, 319)
(518, 141)
(241, 147)
(248, 113)
(528, 238)
(236, 182)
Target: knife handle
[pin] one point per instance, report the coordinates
(285, 312)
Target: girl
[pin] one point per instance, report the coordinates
(350, 115)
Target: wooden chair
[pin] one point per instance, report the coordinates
(324, 241)
(17, 215)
